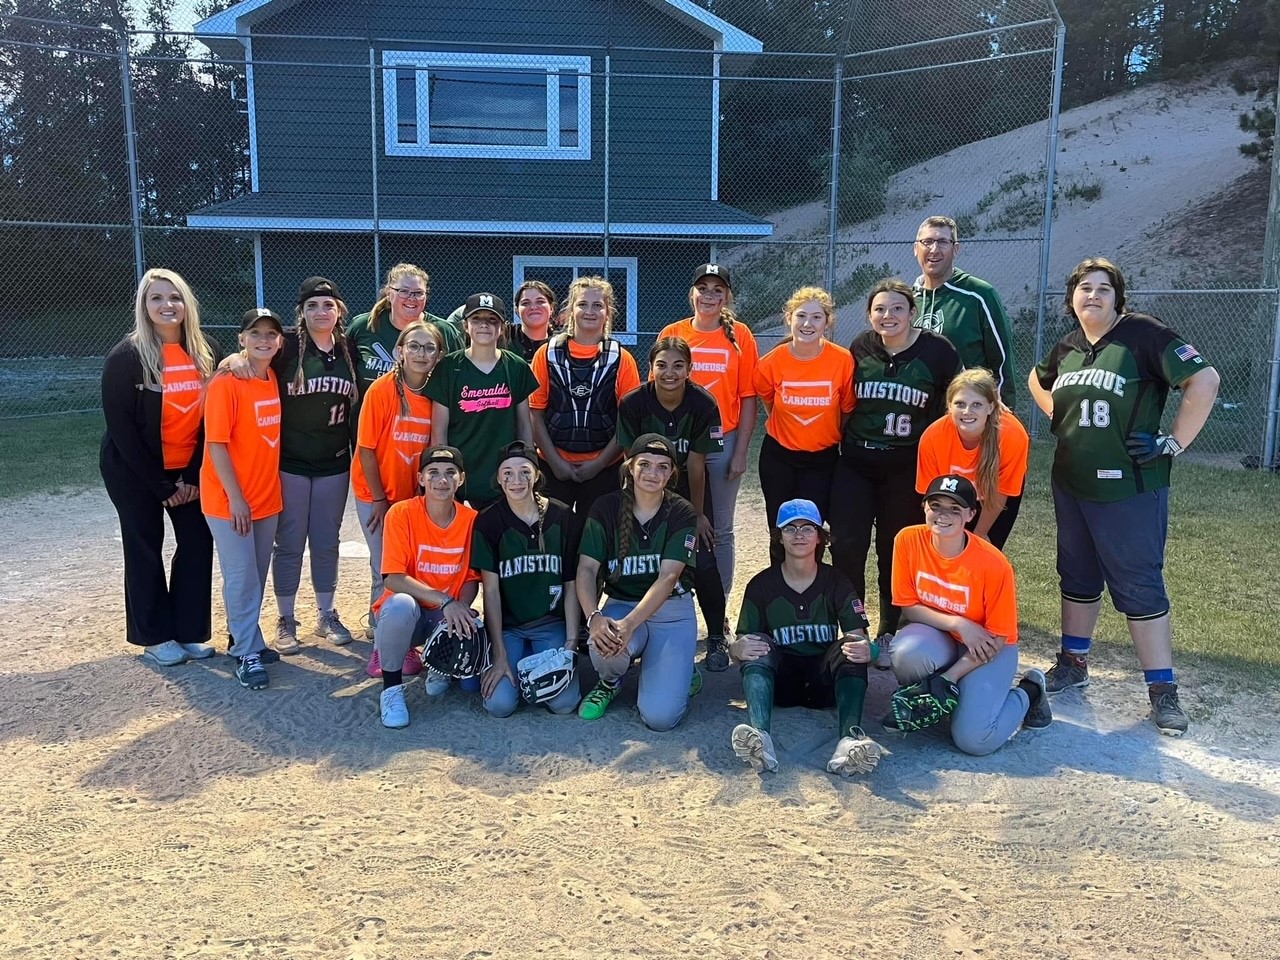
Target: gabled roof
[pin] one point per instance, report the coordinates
(225, 32)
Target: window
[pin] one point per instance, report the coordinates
(559, 272)
(487, 105)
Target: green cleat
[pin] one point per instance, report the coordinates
(595, 703)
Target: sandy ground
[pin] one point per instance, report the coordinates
(168, 813)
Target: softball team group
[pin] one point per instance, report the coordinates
(525, 459)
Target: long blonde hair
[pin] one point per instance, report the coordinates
(144, 339)
(981, 382)
(397, 372)
(394, 276)
(610, 304)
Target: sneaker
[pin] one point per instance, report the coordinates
(1039, 714)
(167, 654)
(856, 753)
(1165, 709)
(332, 629)
(287, 636)
(884, 661)
(695, 683)
(595, 703)
(412, 662)
(395, 713)
(754, 747)
(435, 682)
(1070, 671)
(717, 658)
(374, 667)
(251, 673)
(198, 651)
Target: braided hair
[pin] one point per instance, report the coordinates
(397, 372)
(627, 514)
(341, 343)
(728, 318)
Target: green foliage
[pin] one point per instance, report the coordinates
(1088, 191)
(1261, 121)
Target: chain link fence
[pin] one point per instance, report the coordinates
(797, 144)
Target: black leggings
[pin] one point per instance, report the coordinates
(1000, 530)
(708, 588)
(787, 474)
(873, 488)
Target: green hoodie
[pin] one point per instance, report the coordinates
(968, 312)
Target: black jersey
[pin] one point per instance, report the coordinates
(317, 426)
(670, 534)
(692, 427)
(898, 395)
(533, 563)
(804, 624)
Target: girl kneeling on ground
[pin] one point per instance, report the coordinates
(426, 567)
(802, 640)
(959, 639)
(531, 543)
(639, 542)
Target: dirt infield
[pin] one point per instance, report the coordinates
(168, 813)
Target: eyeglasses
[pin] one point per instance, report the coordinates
(420, 348)
(942, 243)
(410, 294)
(799, 531)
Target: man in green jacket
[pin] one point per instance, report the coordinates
(963, 308)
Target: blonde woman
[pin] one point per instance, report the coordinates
(404, 301)
(153, 388)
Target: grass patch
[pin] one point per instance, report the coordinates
(44, 454)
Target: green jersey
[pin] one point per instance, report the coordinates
(692, 427)
(803, 623)
(670, 534)
(483, 413)
(377, 347)
(1104, 391)
(317, 423)
(898, 395)
(969, 313)
(533, 563)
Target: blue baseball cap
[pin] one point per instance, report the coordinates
(794, 510)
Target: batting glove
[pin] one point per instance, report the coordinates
(1145, 447)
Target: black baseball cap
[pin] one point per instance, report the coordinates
(485, 301)
(259, 313)
(956, 487)
(318, 287)
(441, 453)
(518, 448)
(712, 270)
(652, 443)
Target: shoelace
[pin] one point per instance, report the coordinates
(252, 662)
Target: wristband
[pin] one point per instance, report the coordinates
(447, 600)
(592, 616)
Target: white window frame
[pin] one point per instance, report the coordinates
(584, 266)
(423, 61)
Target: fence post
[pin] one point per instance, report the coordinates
(1050, 177)
(131, 151)
(833, 217)
(373, 158)
(608, 76)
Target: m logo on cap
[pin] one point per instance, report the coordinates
(447, 454)
(713, 270)
(486, 300)
(949, 485)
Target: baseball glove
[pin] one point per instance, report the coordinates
(456, 655)
(922, 704)
(544, 676)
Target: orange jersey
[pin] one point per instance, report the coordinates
(727, 373)
(413, 545)
(941, 452)
(807, 399)
(396, 440)
(977, 585)
(183, 409)
(245, 415)
(627, 380)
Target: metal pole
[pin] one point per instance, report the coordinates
(373, 157)
(131, 153)
(1271, 278)
(605, 225)
(1051, 174)
(833, 218)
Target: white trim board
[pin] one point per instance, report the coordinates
(478, 227)
(522, 262)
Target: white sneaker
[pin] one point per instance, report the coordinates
(856, 753)
(198, 651)
(395, 712)
(754, 747)
(435, 682)
(884, 661)
(167, 654)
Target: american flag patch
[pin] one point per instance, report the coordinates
(1187, 352)
(859, 608)
(717, 433)
(691, 542)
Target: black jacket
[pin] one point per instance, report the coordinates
(131, 444)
